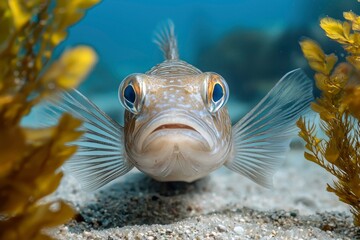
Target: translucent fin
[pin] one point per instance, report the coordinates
(166, 40)
(262, 137)
(100, 157)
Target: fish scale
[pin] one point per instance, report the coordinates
(173, 69)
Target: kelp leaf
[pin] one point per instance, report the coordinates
(317, 59)
(354, 19)
(84, 4)
(314, 54)
(71, 69)
(339, 151)
(330, 62)
(11, 144)
(37, 136)
(335, 29)
(330, 188)
(47, 183)
(352, 101)
(354, 60)
(6, 27)
(6, 99)
(310, 157)
(14, 197)
(69, 13)
(341, 74)
(322, 81)
(312, 51)
(332, 153)
(57, 38)
(21, 15)
(31, 158)
(323, 112)
(67, 129)
(34, 220)
(50, 150)
(48, 215)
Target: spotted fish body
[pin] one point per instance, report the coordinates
(174, 137)
(177, 127)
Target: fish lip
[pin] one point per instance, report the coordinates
(174, 126)
(185, 122)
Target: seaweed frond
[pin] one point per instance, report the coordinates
(30, 158)
(339, 110)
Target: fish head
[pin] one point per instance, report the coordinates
(177, 127)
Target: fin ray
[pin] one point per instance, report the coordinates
(100, 157)
(166, 40)
(262, 137)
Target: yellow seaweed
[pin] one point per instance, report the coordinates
(30, 158)
(339, 110)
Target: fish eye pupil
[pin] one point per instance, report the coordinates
(218, 92)
(129, 94)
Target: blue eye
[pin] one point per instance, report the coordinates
(215, 92)
(129, 94)
(132, 92)
(218, 92)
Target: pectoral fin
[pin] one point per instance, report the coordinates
(262, 137)
(100, 157)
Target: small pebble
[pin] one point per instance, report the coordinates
(293, 213)
(221, 228)
(239, 230)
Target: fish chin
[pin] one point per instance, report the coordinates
(177, 149)
(174, 155)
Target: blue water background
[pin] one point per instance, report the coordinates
(121, 31)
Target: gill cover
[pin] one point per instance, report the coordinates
(215, 92)
(132, 92)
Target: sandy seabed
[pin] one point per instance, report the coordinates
(224, 205)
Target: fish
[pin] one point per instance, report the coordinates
(177, 126)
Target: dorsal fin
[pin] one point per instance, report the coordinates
(166, 40)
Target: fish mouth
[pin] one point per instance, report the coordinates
(177, 127)
(174, 126)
